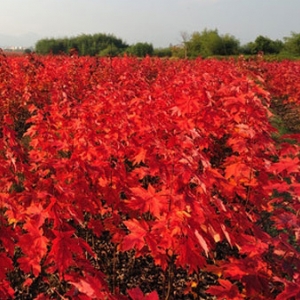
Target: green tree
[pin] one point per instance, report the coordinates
(111, 50)
(268, 46)
(41, 47)
(206, 43)
(179, 51)
(230, 45)
(54, 46)
(141, 49)
(249, 48)
(28, 51)
(194, 46)
(162, 52)
(292, 44)
(263, 44)
(209, 42)
(85, 44)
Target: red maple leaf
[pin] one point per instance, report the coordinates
(137, 294)
(140, 157)
(202, 242)
(6, 291)
(148, 200)
(226, 290)
(8, 236)
(6, 265)
(238, 170)
(135, 239)
(34, 246)
(90, 286)
(291, 289)
(288, 164)
(65, 250)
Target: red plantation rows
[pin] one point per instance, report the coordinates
(170, 158)
(284, 80)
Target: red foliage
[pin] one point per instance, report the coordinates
(137, 294)
(174, 156)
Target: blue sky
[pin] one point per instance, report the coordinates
(159, 22)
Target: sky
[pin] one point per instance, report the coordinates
(160, 22)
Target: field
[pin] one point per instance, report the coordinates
(126, 178)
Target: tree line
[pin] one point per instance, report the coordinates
(97, 44)
(206, 43)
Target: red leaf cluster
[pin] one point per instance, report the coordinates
(170, 157)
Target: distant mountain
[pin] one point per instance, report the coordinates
(23, 40)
